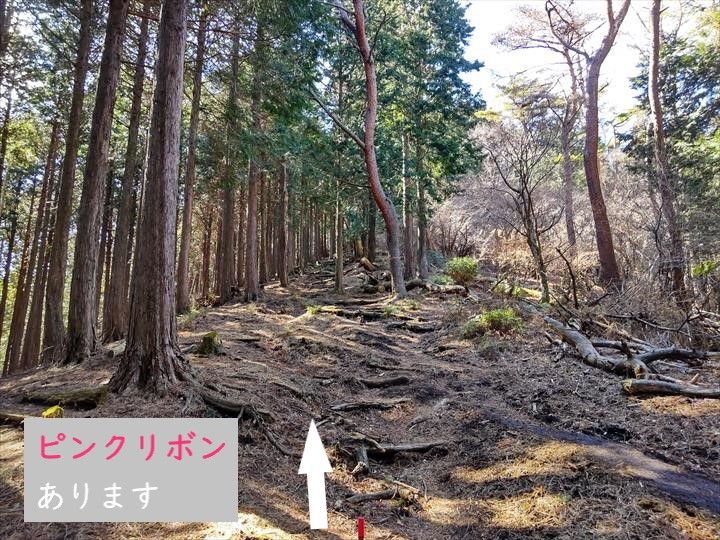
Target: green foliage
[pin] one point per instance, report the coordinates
(441, 279)
(313, 309)
(462, 270)
(500, 321)
(705, 268)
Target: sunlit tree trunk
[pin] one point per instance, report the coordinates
(81, 338)
(54, 328)
(152, 360)
(183, 272)
(115, 309)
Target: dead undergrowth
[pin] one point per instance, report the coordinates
(497, 437)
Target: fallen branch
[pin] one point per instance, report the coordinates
(655, 387)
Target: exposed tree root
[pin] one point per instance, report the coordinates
(388, 451)
(233, 408)
(369, 404)
(384, 382)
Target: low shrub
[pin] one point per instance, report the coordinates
(462, 270)
(499, 321)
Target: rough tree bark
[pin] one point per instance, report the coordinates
(12, 352)
(339, 248)
(54, 328)
(408, 247)
(3, 148)
(81, 339)
(152, 360)
(31, 342)
(226, 270)
(115, 309)
(383, 202)
(183, 272)
(283, 222)
(6, 273)
(667, 194)
(423, 267)
(251, 241)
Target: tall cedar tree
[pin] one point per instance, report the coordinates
(152, 358)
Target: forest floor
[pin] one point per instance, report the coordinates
(525, 444)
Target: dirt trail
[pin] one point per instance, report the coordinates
(685, 487)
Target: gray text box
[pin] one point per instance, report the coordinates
(106, 469)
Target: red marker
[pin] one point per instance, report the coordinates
(361, 528)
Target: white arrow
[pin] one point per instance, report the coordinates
(315, 464)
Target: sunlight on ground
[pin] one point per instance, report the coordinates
(548, 458)
(533, 509)
(248, 525)
(672, 405)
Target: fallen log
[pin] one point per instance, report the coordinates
(384, 382)
(656, 387)
(382, 404)
(81, 398)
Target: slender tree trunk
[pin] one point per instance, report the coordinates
(383, 202)
(371, 248)
(207, 250)
(6, 273)
(423, 267)
(667, 194)
(609, 272)
(263, 274)
(3, 147)
(339, 255)
(17, 322)
(152, 359)
(6, 13)
(54, 328)
(251, 247)
(240, 264)
(115, 308)
(283, 218)
(566, 130)
(408, 248)
(183, 291)
(37, 258)
(106, 242)
(226, 270)
(31, 344)
(81, 338)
